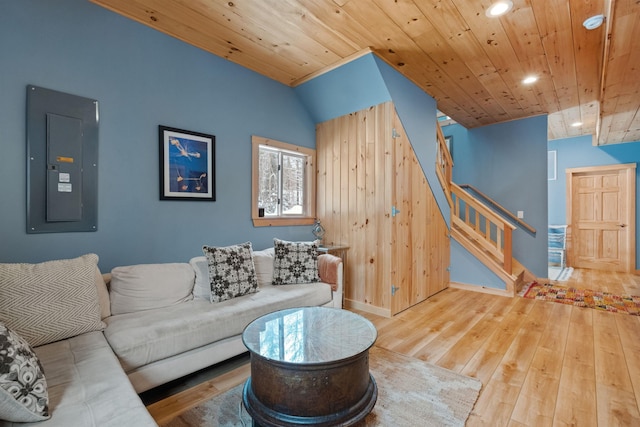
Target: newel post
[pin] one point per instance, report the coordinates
(508, 258)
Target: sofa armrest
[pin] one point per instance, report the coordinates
(330, 269)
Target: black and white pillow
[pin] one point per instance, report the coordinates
(23, 387)
(295, 262)
(231, 271)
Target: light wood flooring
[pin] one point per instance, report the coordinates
(540, 363)
(606, 281)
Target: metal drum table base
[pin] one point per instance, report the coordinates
(309, 367)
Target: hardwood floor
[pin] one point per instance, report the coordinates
(607, 281)
(540, 363)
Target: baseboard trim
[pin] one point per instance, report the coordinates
(357, 305)
(481, 289)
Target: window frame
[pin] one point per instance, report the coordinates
(310, 183)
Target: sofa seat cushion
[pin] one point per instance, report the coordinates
(148, 336)
(87, 386)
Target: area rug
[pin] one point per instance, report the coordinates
(560, 274)
(410, 393)
(628, 304)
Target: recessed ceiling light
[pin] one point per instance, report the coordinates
(499, 8)
(529, 80)
(576, 124)
(593, 22)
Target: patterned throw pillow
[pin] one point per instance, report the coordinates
(295, 262)
(231, 271)
(23, 388)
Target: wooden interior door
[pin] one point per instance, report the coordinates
(403, 246)
(601, 215)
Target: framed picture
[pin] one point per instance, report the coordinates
(187, 165)
(552, 167)
(448, 140)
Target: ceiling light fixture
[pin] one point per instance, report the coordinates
(593, 22)
(576, 124)
(499, 8)
(529, 80)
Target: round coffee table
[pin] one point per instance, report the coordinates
(309, 366)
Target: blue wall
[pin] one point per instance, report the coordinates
(580, 152)
(370, 81)
(466, 269)
(352, 87)
(142, 79)
(417, 112)
(507, 161)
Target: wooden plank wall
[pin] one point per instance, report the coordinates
(356, 187)
(353, 187)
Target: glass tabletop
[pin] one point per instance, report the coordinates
(309, 335)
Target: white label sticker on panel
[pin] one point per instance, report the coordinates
(64, 177)
(64, 188)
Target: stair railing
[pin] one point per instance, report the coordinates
(444, 165)
(501, 209)
(493, 233)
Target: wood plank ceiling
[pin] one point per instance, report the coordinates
(471, 64)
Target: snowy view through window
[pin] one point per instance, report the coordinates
(281, 186)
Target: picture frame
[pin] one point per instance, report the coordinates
(552, 165)
(187, 165)
(448, 140)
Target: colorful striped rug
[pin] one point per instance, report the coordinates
(628, 304)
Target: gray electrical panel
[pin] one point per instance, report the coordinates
(62, 162)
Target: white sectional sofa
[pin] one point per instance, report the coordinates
(153, 325)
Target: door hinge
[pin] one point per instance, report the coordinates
(394, 133)
(393, 290)
(449, 268)
(394, 211)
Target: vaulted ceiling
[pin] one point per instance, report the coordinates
(471, 64)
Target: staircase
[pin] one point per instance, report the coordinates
(478, 228)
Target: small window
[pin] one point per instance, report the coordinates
(283, 181)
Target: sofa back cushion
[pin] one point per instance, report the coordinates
(263, 260)
(52, 300)
(148, 286)
(103, 295)
(202, 287)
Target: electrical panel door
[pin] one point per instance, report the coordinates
(62, 162)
